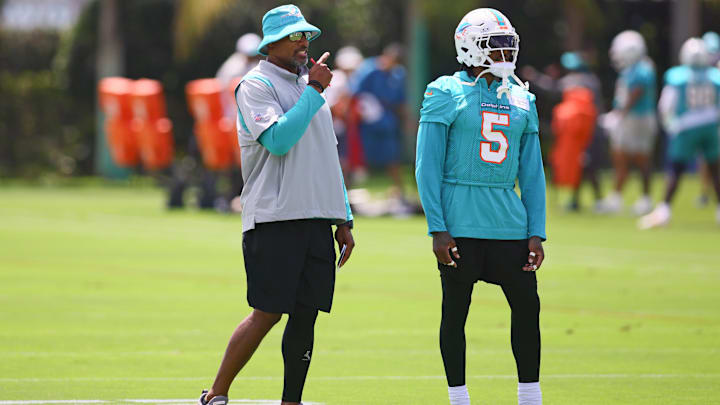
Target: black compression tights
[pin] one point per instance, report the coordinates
(297, 345)
(525, 330)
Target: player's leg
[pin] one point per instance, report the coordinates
(297, 346)
(455, 307)
(677, 169)
(682, 149)
(613, 203)
(244, 341)
(620, 163)
(711, 154)
(660, 216)
(457, 286)
(714, 172)
(705, 185)
(525, 325)
(643, 145)
(507, 258)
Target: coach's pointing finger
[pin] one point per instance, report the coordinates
(323, 58)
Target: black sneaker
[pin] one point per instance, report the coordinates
(216, 400)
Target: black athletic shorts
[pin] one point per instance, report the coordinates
(290, 262)
(493, 261)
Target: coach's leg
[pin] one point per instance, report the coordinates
(455, 307)
(244, 341)
(297, 346)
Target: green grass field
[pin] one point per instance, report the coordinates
(104, 295)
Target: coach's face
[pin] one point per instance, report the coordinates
(289, 54)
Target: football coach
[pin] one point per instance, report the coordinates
(293, 195)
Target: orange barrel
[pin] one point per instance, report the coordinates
(150, 122)
(114, 95)
(214, 132)
(233, 118)
(573, 123)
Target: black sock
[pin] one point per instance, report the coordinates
(297, 345)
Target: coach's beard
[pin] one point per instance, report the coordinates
(299, 60)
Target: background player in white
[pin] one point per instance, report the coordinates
(479, 134)
(632, 124)
(690, 112)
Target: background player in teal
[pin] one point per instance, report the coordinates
(632, 123)
(476, 137)
(690, 111)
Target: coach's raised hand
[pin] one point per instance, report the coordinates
(320, 73)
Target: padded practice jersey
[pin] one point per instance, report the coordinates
(471, 148)
(639, 75)
(690, 99)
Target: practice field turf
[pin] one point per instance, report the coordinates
(104, 295)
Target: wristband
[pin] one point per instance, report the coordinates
(316, 83)
(349, 224)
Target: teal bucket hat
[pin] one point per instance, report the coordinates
(282, 21)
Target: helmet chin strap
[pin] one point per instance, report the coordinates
(505, 86)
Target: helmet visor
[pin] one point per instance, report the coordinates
(501, 41)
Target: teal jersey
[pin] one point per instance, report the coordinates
(472, 147)
(690, 98)
(640, 75)
(690, 112)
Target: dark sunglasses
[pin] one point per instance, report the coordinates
(295, 36)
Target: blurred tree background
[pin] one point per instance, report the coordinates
(48, 77)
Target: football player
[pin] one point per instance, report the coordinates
(689, 111)
(478, 134)
(632, 124)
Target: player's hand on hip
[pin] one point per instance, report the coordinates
(445, 248)
(343, 236)
(536, 255)
(320, 71)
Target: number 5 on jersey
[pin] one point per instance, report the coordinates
(489, 121)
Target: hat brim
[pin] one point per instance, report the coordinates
(302, 26)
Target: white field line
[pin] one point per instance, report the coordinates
(660, 350)
(357, 378)
(143, 401)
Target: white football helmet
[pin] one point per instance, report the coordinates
(694, 52)
(482, 31)
(627, 48)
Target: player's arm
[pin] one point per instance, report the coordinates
(437, 114)
(531, 179)
(431, 148)
(635, 94)
(636, 89)
(667, 107)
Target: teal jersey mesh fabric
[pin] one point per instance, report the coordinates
(640, 75)
(690, 107)
(697, 88)
(471, 148)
